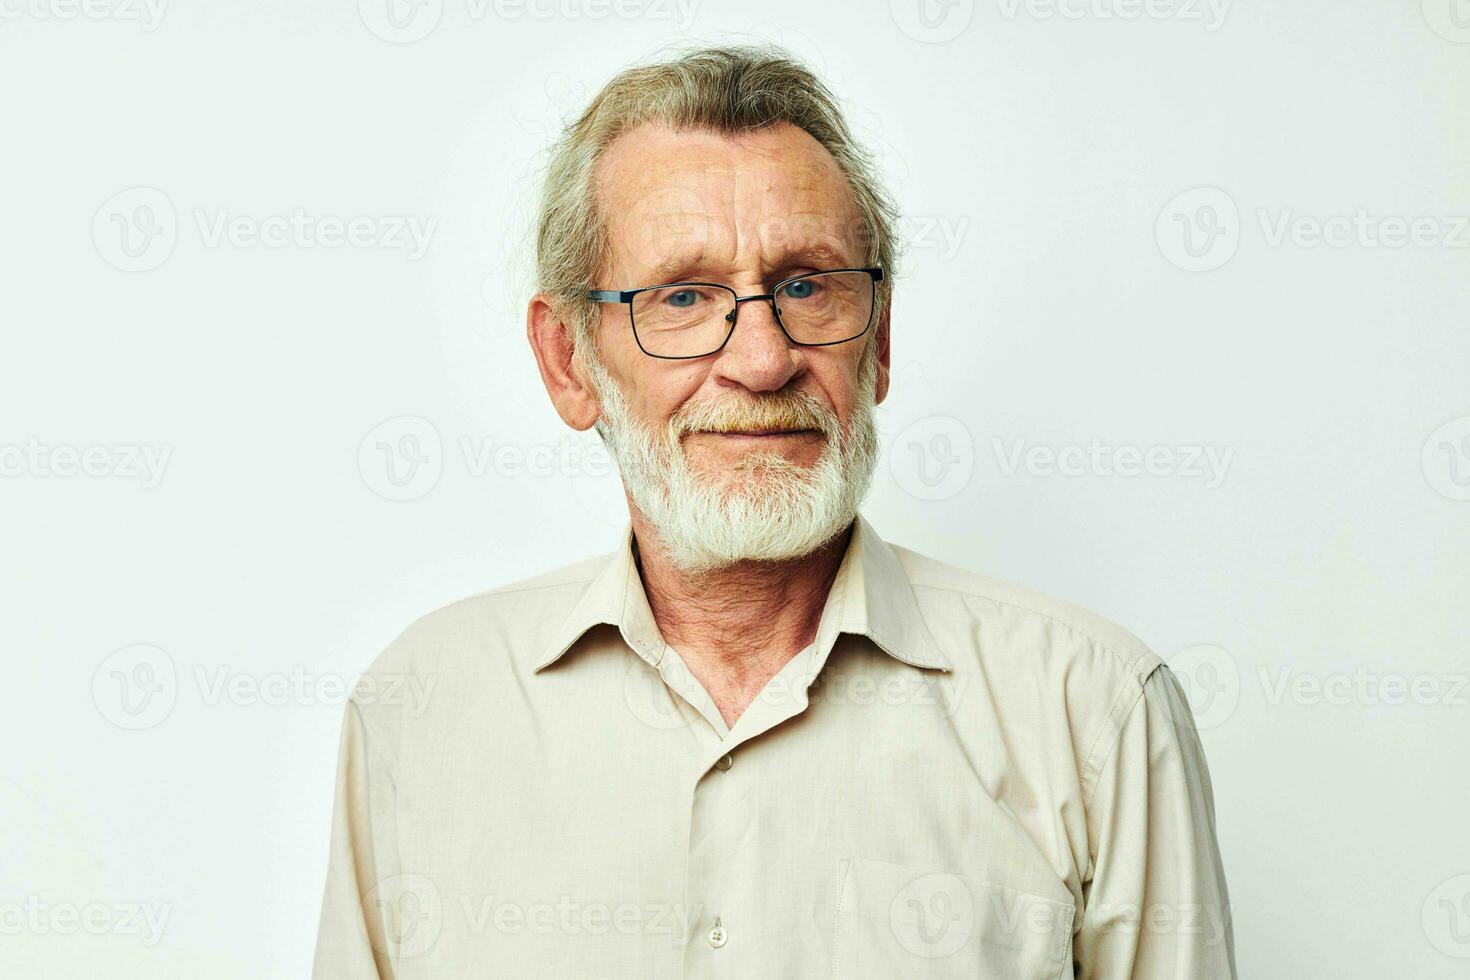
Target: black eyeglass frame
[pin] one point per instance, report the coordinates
(626, 296)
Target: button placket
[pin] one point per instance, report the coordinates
(722, 829)
(725, 814)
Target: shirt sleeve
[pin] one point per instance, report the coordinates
(1155, 902)
(354, 939)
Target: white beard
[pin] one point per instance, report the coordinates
(782, 511)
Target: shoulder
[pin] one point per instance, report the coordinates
(1039, 660)
(1010, 615)
(487, 630)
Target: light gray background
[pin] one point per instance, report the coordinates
(1112, 209)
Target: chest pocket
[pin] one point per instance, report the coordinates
(894, 920)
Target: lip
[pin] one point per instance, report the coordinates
(764, 433)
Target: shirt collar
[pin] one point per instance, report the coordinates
(870, 596)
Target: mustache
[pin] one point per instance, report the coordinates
(796, 410)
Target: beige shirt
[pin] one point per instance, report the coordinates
(958, 778)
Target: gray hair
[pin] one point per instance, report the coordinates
(720, 89)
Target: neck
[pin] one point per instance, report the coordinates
(737, 626)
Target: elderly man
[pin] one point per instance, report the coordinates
(756, 740)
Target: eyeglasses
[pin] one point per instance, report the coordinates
(694, 319)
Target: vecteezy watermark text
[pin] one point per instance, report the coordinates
(127, 461)
(1200, 229)
(1211, 13)
(1185, 462)
(406, 233)
(147, 13)
(403, 458)
(1364, 686)
(407, 21)
(137, 687)
(1363, 229)
(136, 230)
(39, 917)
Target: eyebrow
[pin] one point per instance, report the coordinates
(690, 265)
(818, 255)
(679, 267)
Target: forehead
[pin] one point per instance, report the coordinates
(697, 198)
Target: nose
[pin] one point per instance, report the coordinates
(757, 356)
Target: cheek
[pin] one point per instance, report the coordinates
(838, 383)
(663, 391)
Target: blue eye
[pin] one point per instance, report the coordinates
(683, 298)
(801, 289)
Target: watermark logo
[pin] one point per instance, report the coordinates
(1211, 681)
(932, 21)
(1445, 459)
(410, 911)
(667, 220)
(135, 230)
(933, 916)
(933, 458)
(401, 459)
(1446, 917)
(1450, 19)
(400, 21)
(136, 687)
(1199, 229)
(649, 698)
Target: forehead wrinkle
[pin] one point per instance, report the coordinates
(748, 216)
(770, 236)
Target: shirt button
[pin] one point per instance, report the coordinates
(724, 764)
(717, 934)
